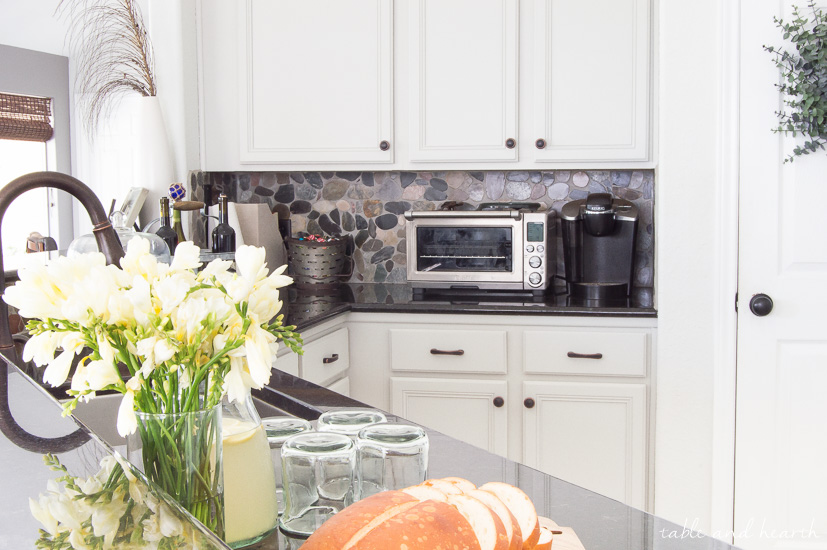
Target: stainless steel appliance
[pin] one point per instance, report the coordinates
(599, 234)
(505, 246)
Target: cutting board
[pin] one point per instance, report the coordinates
(567, 540)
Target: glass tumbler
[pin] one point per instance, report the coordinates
(318, 471)
(390, 456)
(278, 430)
(349, 421)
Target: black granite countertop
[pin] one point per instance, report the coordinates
(601, 523)
(308, 308)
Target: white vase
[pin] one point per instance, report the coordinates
(152, 156)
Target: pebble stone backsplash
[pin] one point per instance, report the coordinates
(369, 205)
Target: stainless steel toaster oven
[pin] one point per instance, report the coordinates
(506, 248)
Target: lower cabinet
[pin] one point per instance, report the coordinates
(325, 361)
(468, 410)
(568, 396)
(590, 434)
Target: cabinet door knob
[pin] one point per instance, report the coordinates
(499, 401)
(435, 351)
(575, 355)
(384, 145)
(332, 359)
(540, 143)
(510, 143)
(529, 403)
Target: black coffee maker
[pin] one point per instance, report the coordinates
(599, 247)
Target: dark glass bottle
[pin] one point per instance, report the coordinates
(223, 236)
(166, 232)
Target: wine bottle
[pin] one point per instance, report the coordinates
(166, 232)
(177, 226)
(223, 236)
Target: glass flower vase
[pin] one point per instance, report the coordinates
(250, 501)
(181, 453)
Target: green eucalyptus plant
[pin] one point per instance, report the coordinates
(804, 78)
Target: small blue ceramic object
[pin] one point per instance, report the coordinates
(177, 192)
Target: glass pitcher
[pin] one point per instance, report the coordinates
(250, 502)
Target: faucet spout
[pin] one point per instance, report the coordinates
(109, 245)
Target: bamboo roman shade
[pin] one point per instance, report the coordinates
(25, 118)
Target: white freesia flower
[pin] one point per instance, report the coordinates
(40, 348)
(260, 355)
(238, 381)
(172, 290)
(186, 257)
(250, 269)
(139, 262)
(140, 296)
(107, 516)
(40, 510)
(58, 369)
(127, 421)
(101, 374)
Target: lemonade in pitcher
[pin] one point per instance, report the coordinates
(250, 506)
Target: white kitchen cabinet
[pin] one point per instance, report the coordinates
(469, 410)
(590, 380)
(316, 81)
(591, 75)
(326, 357)
(591, 434)
(447, 84)
(463, 60)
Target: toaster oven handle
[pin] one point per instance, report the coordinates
(419, 214)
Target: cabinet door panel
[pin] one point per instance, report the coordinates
(316, 80)
(463, 79)
(591, 74)
(463, 409)
(590, 434)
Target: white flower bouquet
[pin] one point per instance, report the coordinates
(111, 509)
(171, 340)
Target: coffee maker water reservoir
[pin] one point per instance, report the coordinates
(599, 234)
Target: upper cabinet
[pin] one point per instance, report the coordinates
(591, 73)
(316, 81)
(463, 74)
(424, 84)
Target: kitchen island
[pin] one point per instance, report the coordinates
(601, 523)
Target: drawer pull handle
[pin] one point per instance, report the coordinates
(435, 351)
(575, 355)
(499, 401)
(332, 359)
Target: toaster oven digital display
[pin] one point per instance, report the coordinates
(535, 232)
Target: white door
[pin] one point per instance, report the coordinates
(590, 434)
(463, 80)
(316, 81)
(781, 412)
(467, 410)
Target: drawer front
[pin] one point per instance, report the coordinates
(326, 359)
(289, 363)
(607, 353)
(341, 386)
(478, 351)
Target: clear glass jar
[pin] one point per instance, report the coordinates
(250, 502)
(87, 243)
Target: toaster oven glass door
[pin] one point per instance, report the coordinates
(455, 249)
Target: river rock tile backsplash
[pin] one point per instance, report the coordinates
(369, 205)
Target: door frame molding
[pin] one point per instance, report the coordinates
(722, 490)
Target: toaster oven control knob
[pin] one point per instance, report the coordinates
(535, 261)
(540, 248)
(534, 279)
(529, 248)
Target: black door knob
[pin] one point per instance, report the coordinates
(529, 403)
(499, 401)
(760, 305)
